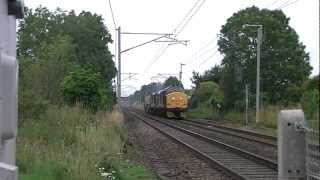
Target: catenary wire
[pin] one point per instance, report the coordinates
(165, 47)
(114, 22)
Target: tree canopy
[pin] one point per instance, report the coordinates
(214, 74)
(172, 81)
(55, 45)
(284, 62)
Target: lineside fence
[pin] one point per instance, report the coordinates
(312, 149)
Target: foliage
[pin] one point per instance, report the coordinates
(51, 45)
(172, 81)
(312, 83)
(202, 112)
(138, 96)
(284, 62)
(310, 104)
(83, 86)
(208, 93)
(67, 143)
(214, 74)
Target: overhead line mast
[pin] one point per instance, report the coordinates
(119, 52)
(177, 30)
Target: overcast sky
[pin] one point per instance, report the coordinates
(163, 16)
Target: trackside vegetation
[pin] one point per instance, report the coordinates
(69, 127)
(73, 143)
(285, 73)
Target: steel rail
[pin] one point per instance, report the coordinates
(266, 161)
(235, 129)
(210, 127)
(260, 161)
(200, 154)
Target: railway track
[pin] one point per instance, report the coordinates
(174, 162)
(266, 139)
(249, 144)
(231, 160)
(256, 143)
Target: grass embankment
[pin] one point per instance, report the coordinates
(72, 143)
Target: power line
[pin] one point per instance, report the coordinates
(185, 17)
(273, 3)
(114, 22)
(194, 13)
(165, 47)
(288, 4)
(283, 5)
(208, 58)
(199, 52)
(157, 57)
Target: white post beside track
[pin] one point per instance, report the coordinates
(10, 10)
(291, 145)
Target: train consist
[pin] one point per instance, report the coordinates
(171, 102)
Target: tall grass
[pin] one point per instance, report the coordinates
(68, 143)
(202, 112)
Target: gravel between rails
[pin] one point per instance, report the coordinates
(257, 147)
(249, 142)
(166, 158)
(249, 133)
(233, 161)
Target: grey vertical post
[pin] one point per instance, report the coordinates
(258, 73)
(291, 145)
(247, 104)
(8, 84)
(180, 74)
(9, 11)
(8, 172)
(119, 63)
(116, 58)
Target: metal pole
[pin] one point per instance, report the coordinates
(115, 58)
(119, 62)
(180, 74)
(258, 73)
(247, 103)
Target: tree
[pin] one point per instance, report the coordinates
(284, 62)
(172, 81)
(53, 44)
(214, 74)
(83, 86)
(312, 83)
(207, 92)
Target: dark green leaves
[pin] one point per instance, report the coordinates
(284, 62)
(62, 46)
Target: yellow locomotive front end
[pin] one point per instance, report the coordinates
(176, 104)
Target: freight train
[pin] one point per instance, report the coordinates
(171, 102)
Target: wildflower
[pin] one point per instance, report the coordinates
(105, 174)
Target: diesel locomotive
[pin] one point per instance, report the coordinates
(171, 102)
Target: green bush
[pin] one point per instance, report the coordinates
(86, 87)
(207, 92)
(310, 103)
